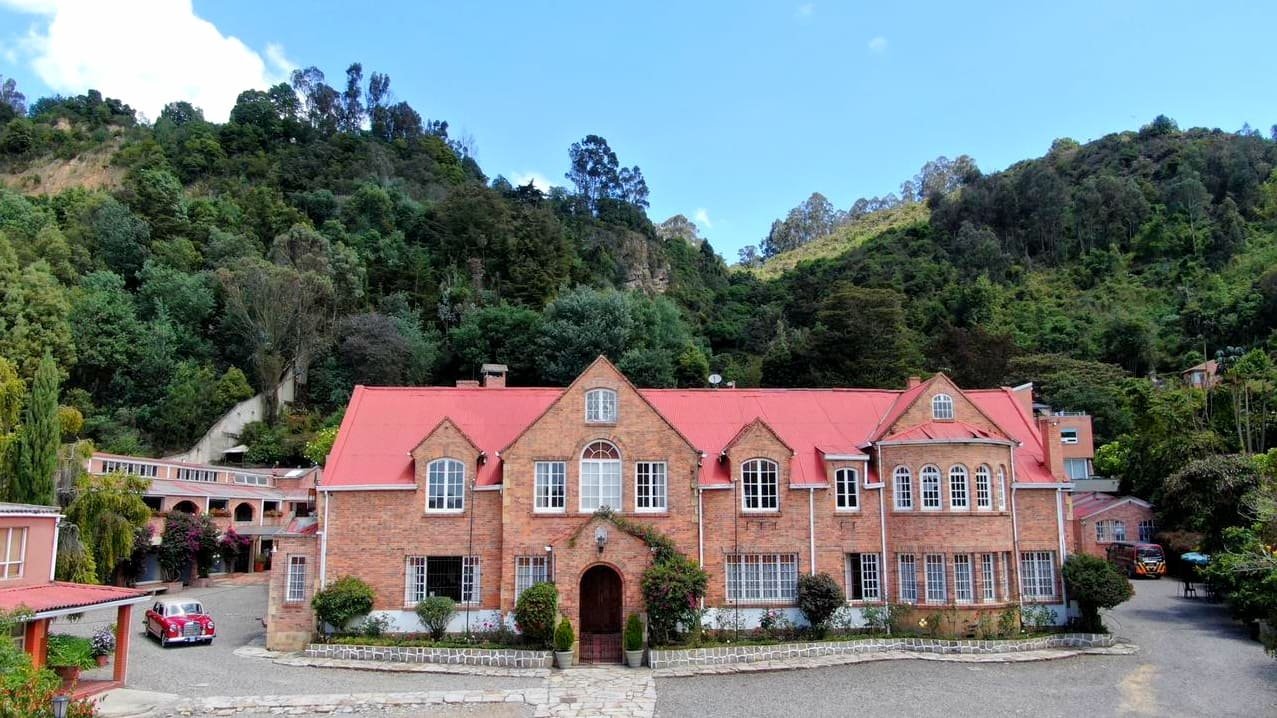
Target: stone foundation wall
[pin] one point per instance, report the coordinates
(497, 657)
(720, 655)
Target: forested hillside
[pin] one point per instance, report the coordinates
(173, 267)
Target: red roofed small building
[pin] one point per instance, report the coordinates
(932, 496)
(1103, 519)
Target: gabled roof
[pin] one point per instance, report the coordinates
(446, 421)
(1007, 411)
(944, 431)
(759, 423)
(8, 508)
(43, 598)
(1087, 505)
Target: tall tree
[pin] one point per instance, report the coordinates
(35, 453)
(109, 510)
(352, 108)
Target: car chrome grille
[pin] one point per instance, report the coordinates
(191, 628)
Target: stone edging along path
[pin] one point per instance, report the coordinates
(488, 657)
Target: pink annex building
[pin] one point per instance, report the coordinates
(931, 495)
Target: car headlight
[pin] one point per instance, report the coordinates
(209, 627)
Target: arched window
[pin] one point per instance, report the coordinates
(1002, 488)
(760, 485)
(445, 485)
(600, 475)
(244, 512)
(929, 483)
(600, 406)
(847, 487)
(186, 507)
(959, 494)
(903, 488)
(942, 406)
(983, 492)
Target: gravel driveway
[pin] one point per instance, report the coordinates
(1193, 661)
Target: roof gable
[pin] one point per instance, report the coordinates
(445, 424)
(913, 409)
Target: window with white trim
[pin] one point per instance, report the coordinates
(651, 484)
(988, 578)
(252, 479)
(147, 471)
(847, 487)
(600, 406)
(1147, 529)
(1077, 469)
(1004, 575)
(903, 488)
(600, 477)
(959, 498)
(550, 486)
(1037, 575)
(296, 579)
(445, 485)
(206, 475)
(529, 571)
(1068, 436)
(760, 485)
(907, 577)
(937, 586)
(929, 485)
(762, 577)
(983, 491)
(13, 542)
(456, 577)
(1002, 489)
(864, 579)
(1119, 530)
(942, 407)
(1110, 530)
(963, 581)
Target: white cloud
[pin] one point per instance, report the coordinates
(804, 11)
(878, 45)
(144, 52)
(538, 180)
(701, 217)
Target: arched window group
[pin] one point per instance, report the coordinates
(600, 476)
(982, 488)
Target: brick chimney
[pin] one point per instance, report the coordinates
(1052, 449)
(467, 384)
(494, 375)
(913, 382)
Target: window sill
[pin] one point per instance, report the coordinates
(612, 422)
(549, 512)
(652, 512)
(760, 512)
(444, 512)
(846, 511)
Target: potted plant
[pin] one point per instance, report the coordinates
(68, 655)
(259, 562)
(634, 641)
(102, 644)
(563, 640)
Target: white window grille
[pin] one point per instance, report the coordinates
(1037, 574)
(760, 485)
(456, 577)
(864, 579)
(1147, 529)
(600, 477)
(929, 482)
(983, 492)
(903, 488)
(529, 570)
(1002, 489)
(550, 486)
(650, 486)
(907, 577)
(445, 485)
(296, 579)
(762, 578)
(13, 541)
(937, 587)
(988, 578)
(600, 406)
(847, 488)
(963, 581)
(942, 407)
(148, 471)
(959, 497)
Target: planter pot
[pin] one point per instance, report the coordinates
(172, 587)
(102, 660)
(634, 659)
(258, 567)
(204, 582)
(563, 659)
(68, 674)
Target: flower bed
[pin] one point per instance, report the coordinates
(721, 655)
(496, 657)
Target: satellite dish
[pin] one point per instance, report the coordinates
(715, 379)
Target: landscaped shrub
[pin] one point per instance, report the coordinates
(26, 691)
(819, 596)
(187, 539)
(103, 641)
(435, 612)
(1037, 617)
(1094, 583)
(71, 651)
(671, 589)
(633, 633)
(343, 600)
(535, 611)
(374, 626)
(563, 636)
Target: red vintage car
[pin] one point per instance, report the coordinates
(180, 621)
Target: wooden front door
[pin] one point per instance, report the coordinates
(600, 615)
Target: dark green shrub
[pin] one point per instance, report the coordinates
(564, 636)
(435, 612)
(72, 651)
(341, 601)
(535, 612)
(819, 596)
(1094, 583)
(633, 633)
(672, 587)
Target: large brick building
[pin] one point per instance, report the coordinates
(931, 495)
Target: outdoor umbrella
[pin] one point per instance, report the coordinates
(1195, 558)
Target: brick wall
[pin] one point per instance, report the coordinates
(1131, 514)
(290, 625)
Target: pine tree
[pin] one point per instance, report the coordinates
(35, 454)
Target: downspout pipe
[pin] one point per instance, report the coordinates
(1015, 540)
(1059, 524)
(323, 543)
(53, 560)
(811, 527)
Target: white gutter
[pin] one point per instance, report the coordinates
(700, 527)
(92, 607)
(811, 527)
(932, 442)
(31, 515)
(493, 487)
(846, 457)
(1015, 539)
(53, 560)
(323, 546)
(1064, 486)
(1059, 520)
(882, 521)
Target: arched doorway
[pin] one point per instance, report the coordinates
(600, 598)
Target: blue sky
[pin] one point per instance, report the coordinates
(735, 111)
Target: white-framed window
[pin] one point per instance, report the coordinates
(445, 485)
(1037, 574)
(937, 586)
(762, 577)
(907, 577)
(1068, 436)
(206, 475)
(1077, 469)
(529, 570)
(296, 579)
(1002, 489)
(963, 580)
(1004, 575)
(864, 577)
(600, 477)
(600, 406)
(1110, 530)
(1119, 530)
(651, 486)
(988, 578)
(550, 486)
(252, 479)
(456, 577)
(959, 497)
(760, 485)
(1147, 529)
(983, 490)
(902, 488)
(147, 471)
(942, 407)
(847, 487)
(13, 542)
(929, 486)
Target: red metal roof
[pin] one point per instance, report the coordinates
(58, 595)
(950, 430)
(1089, 504)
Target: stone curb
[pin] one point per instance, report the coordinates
(488, 657)
(349, 702)
(302, 660)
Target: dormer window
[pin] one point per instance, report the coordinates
(600, 406)
(445, 482)
(942, 407)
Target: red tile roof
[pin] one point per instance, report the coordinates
(58, 595)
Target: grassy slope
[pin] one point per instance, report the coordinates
(847, 237)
